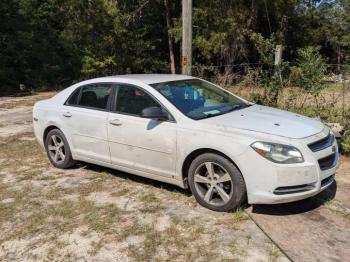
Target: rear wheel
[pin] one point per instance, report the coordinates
(216, 183)
(58, 150)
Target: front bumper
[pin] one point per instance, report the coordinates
(270, 183)
(268, 198)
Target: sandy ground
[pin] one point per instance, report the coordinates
(89, 213)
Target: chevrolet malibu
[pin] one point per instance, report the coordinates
(191, 133)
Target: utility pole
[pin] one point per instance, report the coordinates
(278, 62)
(186, 58)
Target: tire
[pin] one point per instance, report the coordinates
(58, 152)
(225, 178)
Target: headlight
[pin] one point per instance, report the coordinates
(278, 153)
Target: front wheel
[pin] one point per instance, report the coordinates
(216, 183)
(58, 150)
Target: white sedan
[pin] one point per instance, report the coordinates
(191, 133)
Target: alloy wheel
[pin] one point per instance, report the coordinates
(213, 183)
(56, 149)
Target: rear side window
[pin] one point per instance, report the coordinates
(91, 96)
(132, 100)
(73, 99)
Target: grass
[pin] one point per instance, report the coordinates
(331, 102)
(90, 187)
(38, 217)
(239, 254)
(175, 243)
(150, 203)
(25, 101)
(57, 193)
(44, 211)
(240, 215)
(30, 213)
(121, 192)
(148, 248)
(54, 251)
(24, 158)
(96, 247)
(133, 227)
(328, 202)
(274, 253)
(48, 206)
(47, 214)
(333, 206)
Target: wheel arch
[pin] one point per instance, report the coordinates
(48, 129)
(53, 126)
(195, 153)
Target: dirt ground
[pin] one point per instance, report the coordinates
(90, 213)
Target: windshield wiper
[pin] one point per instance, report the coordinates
(233, 108)
(239, 106)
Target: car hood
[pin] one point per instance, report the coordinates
(268, 120)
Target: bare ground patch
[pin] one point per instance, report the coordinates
(93, 213)
(16, 113)
(23, 101)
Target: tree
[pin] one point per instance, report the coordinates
(53, 43)
(170, 41)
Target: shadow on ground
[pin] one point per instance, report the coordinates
(136, 178)
(297, 207)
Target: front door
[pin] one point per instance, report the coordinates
(139, 143)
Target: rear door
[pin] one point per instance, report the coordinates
(139, 143)
(85, 115)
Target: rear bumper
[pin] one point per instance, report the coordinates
(38, 127)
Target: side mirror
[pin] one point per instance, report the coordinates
(154, 112)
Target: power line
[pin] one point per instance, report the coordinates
(247, 64)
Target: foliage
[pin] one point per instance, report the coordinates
(91, 66)
(345, 143)
(270, 75)
(265, 47)
(310, 71)
(53, 43)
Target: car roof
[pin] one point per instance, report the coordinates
(153, 78)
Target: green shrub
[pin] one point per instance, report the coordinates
(310, 71)
(345, 143)
(257, 98)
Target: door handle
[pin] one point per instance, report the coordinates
(115, 122)
(67, 114)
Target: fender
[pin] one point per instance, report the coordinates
(194, 142)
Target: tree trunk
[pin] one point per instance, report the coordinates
(170, 42)
(338, 60)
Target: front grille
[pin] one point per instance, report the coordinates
(322, 144)
(327, 180)
(292, 189)
(327, 162)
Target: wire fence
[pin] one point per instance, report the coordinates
(331, 103)
(237, 72)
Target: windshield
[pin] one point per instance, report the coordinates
(198, 99)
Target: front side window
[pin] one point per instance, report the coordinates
(198, 99)
(131, 100)
(91, 96)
